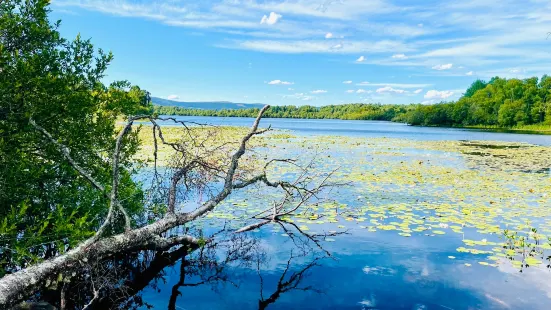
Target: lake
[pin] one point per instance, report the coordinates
(422, 223)
(370, 129)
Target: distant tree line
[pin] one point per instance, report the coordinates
(353, 111)
(500, 102)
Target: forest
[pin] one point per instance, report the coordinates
(499, 103)
(354, 111)
(504, 103)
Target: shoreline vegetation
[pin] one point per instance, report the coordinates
(500, 104)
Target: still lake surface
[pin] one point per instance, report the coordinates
(379, 270)
(369, 129)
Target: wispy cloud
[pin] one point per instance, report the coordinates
(314, 46)
(363, 91)
(279, 82)
(270, 19)
(422, 39)
(443, 67)
(173, 97)
(300, 96)
(318, 91)
(399, 56)
(435, 94)
(389, 89)
(347, 82)
(398, 85)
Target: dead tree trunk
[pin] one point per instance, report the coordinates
(16, 287)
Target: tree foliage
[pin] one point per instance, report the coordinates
(498, 103)
(501, 103)
(45, 205)
(354, 111)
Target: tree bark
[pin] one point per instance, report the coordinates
(21, 284)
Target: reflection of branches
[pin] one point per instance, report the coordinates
(140, 279)
(287, 282)
(198, 165)
(205, 264)
(297, 193)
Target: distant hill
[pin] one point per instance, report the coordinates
(207, 105)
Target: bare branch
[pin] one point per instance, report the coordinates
(228, 182)
(115, 183)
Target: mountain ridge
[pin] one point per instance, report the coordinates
(206, 105)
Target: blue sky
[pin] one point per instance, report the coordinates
(314, 52)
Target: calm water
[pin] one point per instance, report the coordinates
(371, 129)
(370, 270)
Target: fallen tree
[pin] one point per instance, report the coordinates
(67, 195)
(193, 165)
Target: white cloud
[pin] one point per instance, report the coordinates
(360, 59)
(301, 96)
(347, 82)
(443, 67)
(363, 91)
(398, 85)
(270, 20)
(399, 56)
(318, 91)
(469, 73)
(328, 35)
(280, 82)
(475, 33)
(173, 97)
(389, 89)
(418, 91)
(290, 88)
(350, 91)
(316, 46)
(435, 94)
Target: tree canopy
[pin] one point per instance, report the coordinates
(56, 84)
(501, 103)
(353, 111)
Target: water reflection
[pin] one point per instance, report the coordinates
(362, 270)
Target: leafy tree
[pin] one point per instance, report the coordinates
(475, 86)
(55, 83)
(501, 102)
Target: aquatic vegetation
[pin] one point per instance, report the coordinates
(469, 192)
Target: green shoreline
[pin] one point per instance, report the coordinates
(535, 129)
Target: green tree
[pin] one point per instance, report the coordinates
(475, 86)
(45, 205)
